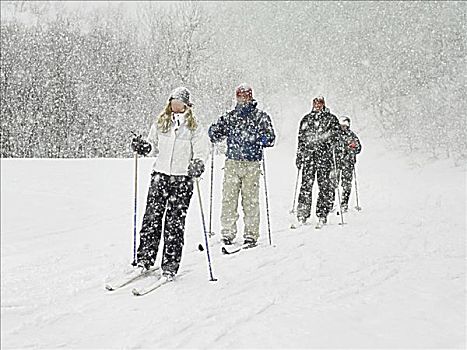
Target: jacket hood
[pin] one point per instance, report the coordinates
(249, 105)
(324, 110)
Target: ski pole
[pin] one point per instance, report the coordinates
(204, 228)
(337, 187)
(292, 211)
(210, 197)
(135, 210)
(356, 189)
(267, 200)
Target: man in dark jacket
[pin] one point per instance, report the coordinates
(317, 137)
(346, 155)
(248, 130)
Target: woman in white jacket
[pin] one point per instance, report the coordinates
(180, 146)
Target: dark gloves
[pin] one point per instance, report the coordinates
(140, 146)
(353, 145)
(213, 136)
(267, 140)
(196, 168)
(215, 133)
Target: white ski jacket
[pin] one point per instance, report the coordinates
(176, 148)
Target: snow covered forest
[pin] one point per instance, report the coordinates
(77, 77)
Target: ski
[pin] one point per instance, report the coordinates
(152, 287)
(126, 280)
(226, 251)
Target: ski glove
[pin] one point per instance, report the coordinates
(263, 140)
(196, 168)
(140, 146)
(353, 145)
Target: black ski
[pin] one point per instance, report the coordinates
(226, 251)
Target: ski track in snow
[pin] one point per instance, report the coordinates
(393, 276)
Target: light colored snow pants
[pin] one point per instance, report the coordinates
(241, 177)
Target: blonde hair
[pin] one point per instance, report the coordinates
(164, 120)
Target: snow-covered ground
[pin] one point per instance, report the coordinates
(392, 277)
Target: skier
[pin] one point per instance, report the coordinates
(346, 155)
(248, 130)
(317, 138)
(179, 145)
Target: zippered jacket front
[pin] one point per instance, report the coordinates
(248, 130)
(317, 137)
(175, 148)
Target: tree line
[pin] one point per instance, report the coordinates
(75, 84)
(78, 85)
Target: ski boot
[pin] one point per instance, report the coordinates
(321, 222)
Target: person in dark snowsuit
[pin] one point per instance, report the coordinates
(247, 130)
(346, 156)
(317, 138)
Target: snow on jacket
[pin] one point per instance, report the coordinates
(176, 148)
(317, 136)
(348, 146)
(247, 129)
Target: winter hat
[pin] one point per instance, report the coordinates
(345, 121)
(245, 90)
(181, 93)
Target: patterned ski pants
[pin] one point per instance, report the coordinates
(325, 194)
(346, 176)
(170, 195)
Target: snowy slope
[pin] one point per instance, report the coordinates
(394, 276)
